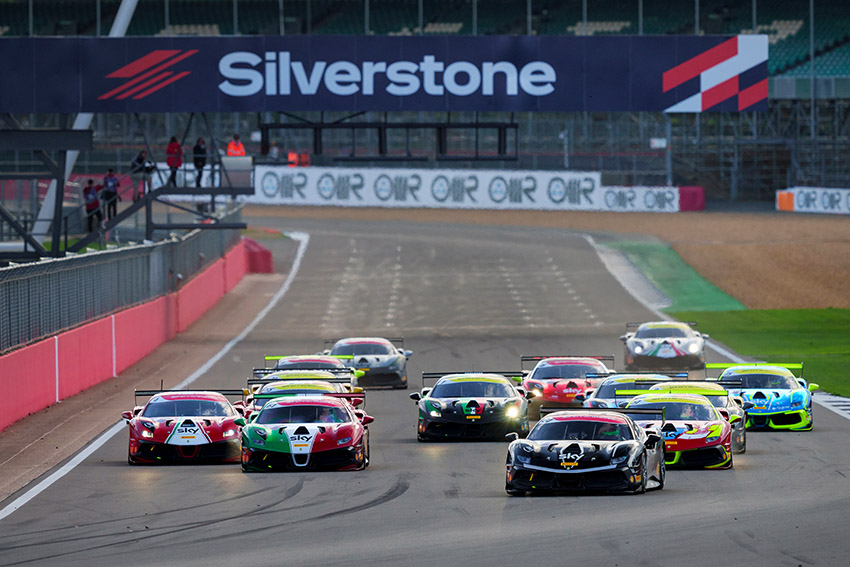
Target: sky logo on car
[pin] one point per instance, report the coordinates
(148, 74)
(722, 74)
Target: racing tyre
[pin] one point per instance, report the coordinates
(642, 488)
(130, 460)
(662, 478)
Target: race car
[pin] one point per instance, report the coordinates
(306, 432)
(663, 344)
(383, 363)
(309, 362)
(695, 434)
(271, 390)
(563, 380)
(733, 408)
(582, 449)
(184, 426)
(780, 399)
(605, 394)
(343, 380)
(482, 405)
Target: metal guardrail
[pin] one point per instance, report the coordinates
(43, 298)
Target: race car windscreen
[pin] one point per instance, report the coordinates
(580, 431)
(565, 371)
(471, 390)
(187, 408)
(303, 414)
(284, 365)
(608, 389)
(662, 333)
(767, 381)
(358, 349)
(680, 411)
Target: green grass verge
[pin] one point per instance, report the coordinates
(820, 338)
(71, 241)
(688, 290)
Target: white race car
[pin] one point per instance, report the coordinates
(664, 345)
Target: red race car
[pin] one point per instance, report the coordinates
(185, 426)
(562, 380)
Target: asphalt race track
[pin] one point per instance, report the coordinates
(464, 298)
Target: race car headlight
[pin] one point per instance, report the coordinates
(796, 403)
(619, 460)
(527, 448)
(712, 439)
(435, 413)
(525, 459)
(512, 411)
(229, 433)
(638, 349)
(261, 433)
(343, 441)
(147, 434)
(693, 348)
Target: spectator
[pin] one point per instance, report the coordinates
(235, 147)
(274, 152)
(304, 159)
(93, 214)
(140, 171)
(199, 153)
(110, 193)
(174, 159)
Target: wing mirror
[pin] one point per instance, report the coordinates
(415, 396)
(813, 387)
(517, 378)
(408, 353)
(240, 421)
(652, 440)
(705, 335)
(356, 401)
(357, 390)
(363, 417)
(512, 436)
(579, 398)
(128, 415)
(529, 395)
(624, 338)
(748, 406)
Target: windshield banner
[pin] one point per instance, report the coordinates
(382, 73)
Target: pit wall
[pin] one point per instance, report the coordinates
(463, 189)
(814, 200)
(58, 367)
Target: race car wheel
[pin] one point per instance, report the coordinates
(662, 477)
(641, 489)
(743, 443)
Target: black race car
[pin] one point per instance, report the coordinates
(587, 450)
(482, 405)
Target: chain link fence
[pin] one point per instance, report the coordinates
(44, 298)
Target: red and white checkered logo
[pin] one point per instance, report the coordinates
(719, 70)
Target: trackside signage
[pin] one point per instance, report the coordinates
(814, 200)
(453, 189)
(363, 73)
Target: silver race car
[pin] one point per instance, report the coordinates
(383, 361)
(664, 344)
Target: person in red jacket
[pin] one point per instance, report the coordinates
(235, 147)
(90, 196)
(174, 159)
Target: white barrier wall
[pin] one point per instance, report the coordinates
(814, 200)
(453, 189)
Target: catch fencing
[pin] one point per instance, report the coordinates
(44, 298)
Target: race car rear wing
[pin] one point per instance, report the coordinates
(634, 325)
(260, 372)
(792, 366)
(506, 373)
(343, 395)
(638, 373)
(398, 342)
(223, 392)
(630, 412)
(604, 358)
(697, 391)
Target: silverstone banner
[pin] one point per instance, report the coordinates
(453, 189)
(363, 73)
(814, 200)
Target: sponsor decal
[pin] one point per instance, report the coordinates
(147, 74)
(569, 460)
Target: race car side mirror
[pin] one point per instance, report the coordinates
(517, 378)
(651, 441)
(512, 436)
(529, 395)
(705, 335)
(240, 421)
(356, 401)
(579, 398)
(357, 390)
(623, 338)
(128, 415)
(408, 353)
(813, 387)
(415, 396)
(748, 406)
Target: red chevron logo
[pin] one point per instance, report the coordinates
(148, 74)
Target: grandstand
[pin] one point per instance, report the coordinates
(737, 156)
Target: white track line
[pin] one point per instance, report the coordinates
(722, 351)
(303, 239)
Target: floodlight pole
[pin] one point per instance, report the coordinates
(812, 65)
